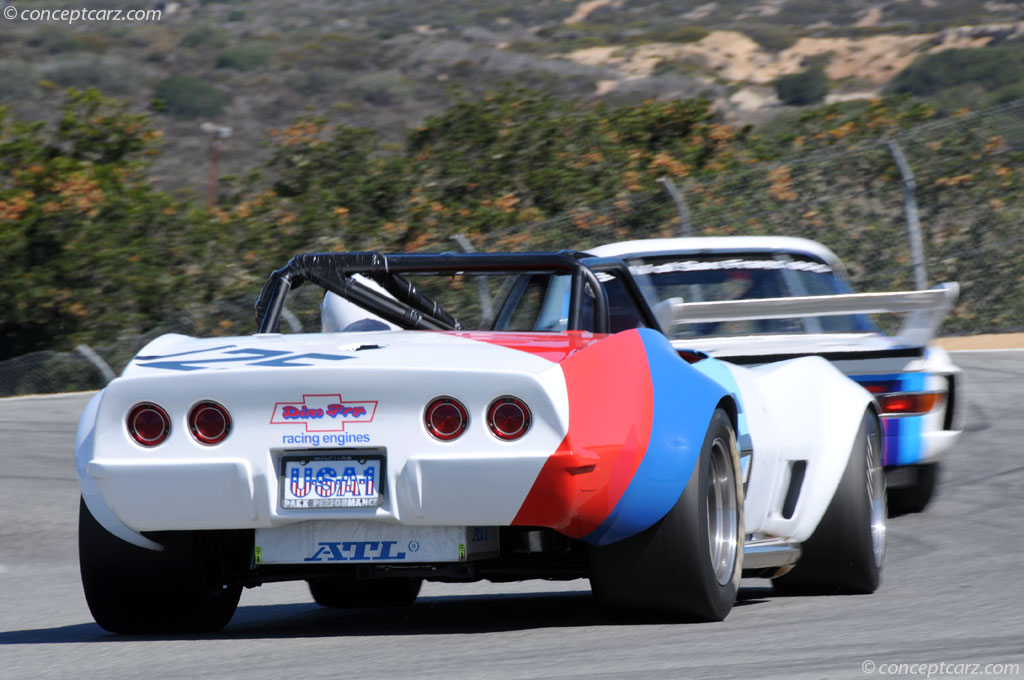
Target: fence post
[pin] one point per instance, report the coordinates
(681, 207)
(481, 285)
(292, 320)
(97, 361)
(913, 223)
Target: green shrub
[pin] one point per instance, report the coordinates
(188, 97)
(463, 68)
(773, 38)
(106, 77)
(959, 96)
(236, 15)
(251, 57)
(555, 83)
(95, 42)
(991, 68)
(681, 34)
(319, 80)
(1005, 95)
(382, 88)
(204, 36)
(55, 40)
(801, 89)
(684, 66)
(19, 81)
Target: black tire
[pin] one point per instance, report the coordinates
(846, 552)
(688, 565)
(349, 593)
(916, 497)
(133, 590)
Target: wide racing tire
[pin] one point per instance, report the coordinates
(132, 590)
(348, 593)
(846, 552)
(916, 497)
(688, 565)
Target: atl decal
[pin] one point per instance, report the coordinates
(323, 412)
(356, 551)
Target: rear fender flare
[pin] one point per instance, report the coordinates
(684, 401)
(816, 413)
(84, 448)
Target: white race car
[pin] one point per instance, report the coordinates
(758, 299)
(564, 438)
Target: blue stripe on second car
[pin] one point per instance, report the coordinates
(902, 435)
(684, 401)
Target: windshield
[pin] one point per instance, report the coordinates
(744, 276)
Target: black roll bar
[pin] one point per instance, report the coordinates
(412, 309)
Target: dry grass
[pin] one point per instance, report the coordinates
(989, 341)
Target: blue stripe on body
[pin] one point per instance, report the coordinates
(903, 443)
(684, 400)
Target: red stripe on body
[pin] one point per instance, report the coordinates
(610, 413)
(554, 347)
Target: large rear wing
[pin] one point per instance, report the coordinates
(925, 309)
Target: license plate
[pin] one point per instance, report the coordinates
(330, 481)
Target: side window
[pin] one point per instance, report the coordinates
(528, 306)
(536, 302)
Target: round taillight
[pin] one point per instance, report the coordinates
(446, 418)
(209, 422)
(148, 424)
(508, 418)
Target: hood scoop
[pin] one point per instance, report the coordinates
(360, 347)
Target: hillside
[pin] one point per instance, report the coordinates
(255, 65)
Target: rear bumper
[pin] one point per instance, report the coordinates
(235, 493)
(937, 443)
(907, 444)
(169, 495)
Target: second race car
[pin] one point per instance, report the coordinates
(758, 299)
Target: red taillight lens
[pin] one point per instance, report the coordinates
(446, 418)
(148, 424)
(209, 422)
(508, 418)
(877, 387)
(909, 404)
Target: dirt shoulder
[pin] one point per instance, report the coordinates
(991, 341)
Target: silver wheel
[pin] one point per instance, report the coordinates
(877, 498)
(659, 570)
(723, 512)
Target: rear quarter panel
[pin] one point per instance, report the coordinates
(801, 409)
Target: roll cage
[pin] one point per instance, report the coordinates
(411, 309)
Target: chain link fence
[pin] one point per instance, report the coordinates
(967, 188)
(87, 368)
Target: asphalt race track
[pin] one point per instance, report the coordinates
(952, 591)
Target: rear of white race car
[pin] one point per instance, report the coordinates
(421, 444)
